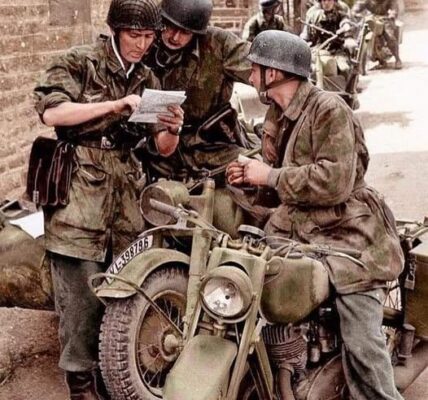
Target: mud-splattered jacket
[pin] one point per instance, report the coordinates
(319, 177)
(102, 210)
(257, 24)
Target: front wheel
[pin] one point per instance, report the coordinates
(133, 357)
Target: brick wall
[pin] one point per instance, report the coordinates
(32, 33)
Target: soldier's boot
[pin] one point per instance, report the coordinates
(82, 386)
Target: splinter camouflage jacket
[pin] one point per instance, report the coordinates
(319, 178)
(102, 210)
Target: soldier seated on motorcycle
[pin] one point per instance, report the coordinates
(204, 62)
(264, 20)
(315, 161)
(388, 9)
(332, 19)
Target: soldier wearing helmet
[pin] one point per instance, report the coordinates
(87, 95)
(315, 159)
(265, 19)
(329, 15)
(205, 62)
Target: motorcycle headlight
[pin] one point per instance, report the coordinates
(226, 292)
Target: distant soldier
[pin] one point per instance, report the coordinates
(389, 10)
(264, 20)
(330, 16)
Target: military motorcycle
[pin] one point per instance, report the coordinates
(375, 48)
(339, 71)
(239, 315)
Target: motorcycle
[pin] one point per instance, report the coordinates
(339, 71)
(243, 317)
(375, 47)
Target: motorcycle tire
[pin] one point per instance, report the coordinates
(133, 361)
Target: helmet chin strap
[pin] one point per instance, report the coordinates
(264, 88)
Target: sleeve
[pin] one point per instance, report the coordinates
(60, 83)
(235, 63)
(329, 179)
(249, 32)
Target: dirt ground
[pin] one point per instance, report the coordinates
(393, 111)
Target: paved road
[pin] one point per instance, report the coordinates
(394, 112)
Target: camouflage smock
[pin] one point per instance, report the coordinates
(319, 178)
(206, 71)
(257, 24)
(102, 210)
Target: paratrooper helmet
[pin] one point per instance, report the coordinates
(191, 15)
(134, 14)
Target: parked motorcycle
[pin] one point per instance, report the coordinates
(250, 317)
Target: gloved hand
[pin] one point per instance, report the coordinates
(345, 28)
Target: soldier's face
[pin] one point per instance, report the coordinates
(255, 76)
(176, 38)
(134, 43)
(268, 13)
(327, 5)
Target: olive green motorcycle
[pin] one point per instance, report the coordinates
(193, 312)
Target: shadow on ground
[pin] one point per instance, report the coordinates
(372, 119)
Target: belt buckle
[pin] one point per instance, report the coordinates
(106, 144)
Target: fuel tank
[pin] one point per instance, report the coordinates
(294, 287)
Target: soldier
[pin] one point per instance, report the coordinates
(316, 164)
(205, 62)
(388, 9)
(329, 16)
(85, 96)
(265, 19)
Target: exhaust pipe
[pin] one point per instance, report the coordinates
(404, 375)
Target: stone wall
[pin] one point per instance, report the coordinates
(32, 33)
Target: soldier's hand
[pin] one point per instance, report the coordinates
(127, 103)
(173, 122)
(235, 173)
(256, 173)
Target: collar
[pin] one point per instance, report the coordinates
(295, 107)
(196, 52)
(119, 58)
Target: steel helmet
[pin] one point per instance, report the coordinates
(191, 15)
(134, 14)
(265, 4)
(281, 50)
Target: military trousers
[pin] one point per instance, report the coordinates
(366, 361)
(79, 310)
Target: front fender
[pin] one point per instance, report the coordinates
(137, 270)
(202, 370)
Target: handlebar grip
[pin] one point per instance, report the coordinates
(164, 208)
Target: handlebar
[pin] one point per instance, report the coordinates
(166, 208)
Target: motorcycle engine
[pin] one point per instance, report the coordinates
(287, 346)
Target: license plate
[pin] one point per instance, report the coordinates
(133, 250)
